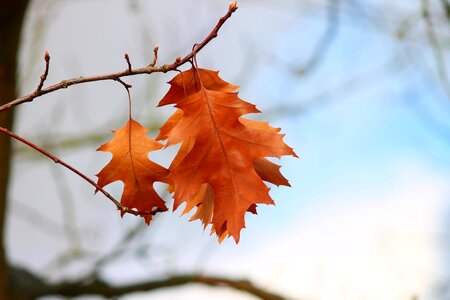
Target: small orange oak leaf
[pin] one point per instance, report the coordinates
(221, 164)
(130, 164)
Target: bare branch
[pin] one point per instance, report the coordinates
(33, 286)
(101, 288)
(119, 206)
(115, 76)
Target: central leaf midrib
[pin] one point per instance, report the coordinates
(216, 129)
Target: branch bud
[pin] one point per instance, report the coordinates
(233, 5)
(46, 56)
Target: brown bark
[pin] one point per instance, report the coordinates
(11, 18)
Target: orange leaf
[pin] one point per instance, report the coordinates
(131, 165)
(221, 164)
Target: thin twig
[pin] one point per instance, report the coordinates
(155, 56)
(115, 76)
(119, 206)
(45, 74)
(127, 58)
(446, 6)
(325, 40)
(436, 47)
(125, 85)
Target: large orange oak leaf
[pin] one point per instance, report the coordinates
(130, 164)
(222, 163)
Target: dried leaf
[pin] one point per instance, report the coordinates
(221, 164)
(130, 164)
